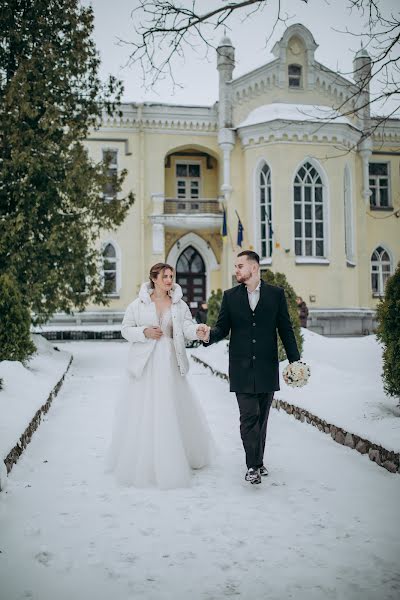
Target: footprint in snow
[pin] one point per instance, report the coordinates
(44, 557)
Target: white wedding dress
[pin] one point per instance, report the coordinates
(160, 431)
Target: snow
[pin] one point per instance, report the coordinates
(26, 389)
(345, 387)
(315, 529)
(280, 111)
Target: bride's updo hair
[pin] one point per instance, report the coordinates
(156, 269)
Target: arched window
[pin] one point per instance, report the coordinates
(381, 269)
(348, 217)
(265, 202)
(294, 76)
(308, 213)
(110, 269)
(191, 276)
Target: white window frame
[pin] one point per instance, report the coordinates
(377, 186)
(268, 211)
(189, 162)
(117, 249)
(297, 77)
(313, 258)
(378, 263)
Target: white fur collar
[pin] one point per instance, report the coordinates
(146, 290)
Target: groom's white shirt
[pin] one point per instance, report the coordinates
(254, 296)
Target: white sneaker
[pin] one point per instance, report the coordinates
(253, 475)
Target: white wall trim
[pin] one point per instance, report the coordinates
(256, 205)
(348, 215)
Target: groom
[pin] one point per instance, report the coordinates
(253, 312)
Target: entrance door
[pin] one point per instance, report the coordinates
(191, 276)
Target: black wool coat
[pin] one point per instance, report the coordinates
(253, 348)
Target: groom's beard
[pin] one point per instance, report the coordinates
(243, 278)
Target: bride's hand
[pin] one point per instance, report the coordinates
(153, 333)
(202, 332)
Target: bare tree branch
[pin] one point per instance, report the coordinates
(166, 29)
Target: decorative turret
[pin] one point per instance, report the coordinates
(362, 68)
(225, 66)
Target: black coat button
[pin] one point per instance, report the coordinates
(254, 357)
(254, 324)
(254, 341)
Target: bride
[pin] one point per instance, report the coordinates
(160, 431)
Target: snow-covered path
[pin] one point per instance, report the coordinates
(324, 524)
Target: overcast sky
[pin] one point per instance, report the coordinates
(326, 19)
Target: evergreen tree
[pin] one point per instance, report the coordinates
(214, 304)
(280, 280)
(15, 321)
(52, 208)
(388, 332)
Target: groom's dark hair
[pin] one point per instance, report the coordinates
(250, 255)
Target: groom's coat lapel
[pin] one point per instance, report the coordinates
(244, 299)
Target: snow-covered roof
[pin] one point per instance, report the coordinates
(279, 111)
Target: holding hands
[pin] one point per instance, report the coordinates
(203, 332)
(153, 333)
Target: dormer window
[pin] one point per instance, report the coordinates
(294, 76)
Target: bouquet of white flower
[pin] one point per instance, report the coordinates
(296, 374)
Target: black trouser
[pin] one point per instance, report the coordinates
(254, 411)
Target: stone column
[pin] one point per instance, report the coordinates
(365, 150)
(158, 237)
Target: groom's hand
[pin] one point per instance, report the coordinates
(203, 332)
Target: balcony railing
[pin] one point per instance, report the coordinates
(174, 206)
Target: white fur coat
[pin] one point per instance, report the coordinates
(141, 313)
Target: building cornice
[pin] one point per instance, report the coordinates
(299, 132)
(139, 117)
(386, 132)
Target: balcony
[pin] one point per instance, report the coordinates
(183, 213)
(174, 206)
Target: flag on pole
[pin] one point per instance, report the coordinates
(239, 232)
(224, 231)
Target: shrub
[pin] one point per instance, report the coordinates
(15, 322)
(214, 304)
(388, 332)
(280, 280)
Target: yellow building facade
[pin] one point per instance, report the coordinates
(318, 197)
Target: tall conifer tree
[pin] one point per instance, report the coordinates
(52, 209)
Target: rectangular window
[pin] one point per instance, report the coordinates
(109, 189)
(294, 75)
(188, 177)
(379, 185)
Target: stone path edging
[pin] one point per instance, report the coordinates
(381, 456)
(14, 454)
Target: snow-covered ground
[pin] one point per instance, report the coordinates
(26, 389)
(323, 525)
(345, 387)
